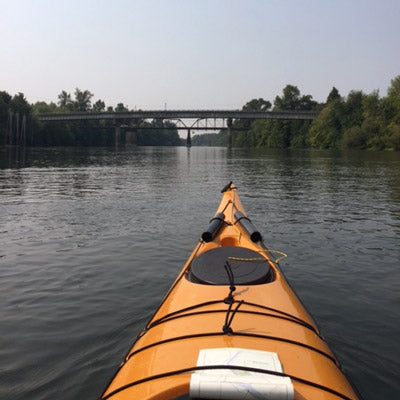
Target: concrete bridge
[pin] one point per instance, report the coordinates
(210, 120)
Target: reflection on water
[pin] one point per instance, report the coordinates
(92, 238)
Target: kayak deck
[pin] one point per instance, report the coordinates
(246, 304)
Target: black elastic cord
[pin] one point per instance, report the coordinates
(227, 326)
(232, 367)
(182, 310)
(243, 334)
(191, 314)
(282, 313)
(243, 217)
(232, 288)
(166, 317)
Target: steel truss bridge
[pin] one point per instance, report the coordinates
(208, 120)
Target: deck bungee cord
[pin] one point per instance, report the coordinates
(238, 334)
(304, 324)
(224, 367)
(226, 328)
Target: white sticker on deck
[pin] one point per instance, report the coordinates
(239, 384)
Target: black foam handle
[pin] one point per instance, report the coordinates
(212, 229)
(254, 234)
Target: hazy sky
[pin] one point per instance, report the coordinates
(196, 54)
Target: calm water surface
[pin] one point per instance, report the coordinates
(91, 239)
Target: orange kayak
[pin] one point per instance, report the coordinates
(230, 327)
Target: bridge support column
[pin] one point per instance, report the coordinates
(229, 125)
(117, 134)
(9, 139)
(130, 138)
(16, 129)
(188, 139)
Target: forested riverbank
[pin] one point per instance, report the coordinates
(77, 133)
(358, 120)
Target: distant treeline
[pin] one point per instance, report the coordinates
(78, 133)
(359, 120)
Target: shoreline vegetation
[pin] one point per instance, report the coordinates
(356, 121)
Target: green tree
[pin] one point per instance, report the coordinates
(42, 107)
(392, 138)
(353, 112)
(333, 96)
(50, 133)
(394, 88)
(326, 130)
(5, 106)
(241, 127)
(20, 104)
(82, 100)
(121, 108)
(257, 105)
(373, 126)
(391, 115)
(65, 101)
(290, 99)
(354, 138)
(392, 102)
(99, 106)
(291, 133)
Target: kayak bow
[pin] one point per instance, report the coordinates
(230, 327)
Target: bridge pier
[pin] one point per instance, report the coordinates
(15, 134)
(188, 139)
(229, 125)
(130, 138)
(117, 134)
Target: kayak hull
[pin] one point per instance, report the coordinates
(195, 316)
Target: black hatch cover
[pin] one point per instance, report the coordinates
(248, 267)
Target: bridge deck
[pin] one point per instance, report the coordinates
(180, 114)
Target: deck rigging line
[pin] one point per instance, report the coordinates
(182, 313)
(232, 367)
(242, 334)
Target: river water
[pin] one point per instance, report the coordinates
(91, 239)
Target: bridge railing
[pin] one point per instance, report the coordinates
(180, 114)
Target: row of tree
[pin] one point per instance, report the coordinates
(76, 133)
(361, 121)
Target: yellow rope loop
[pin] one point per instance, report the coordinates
(278, 260)
(247, 259)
